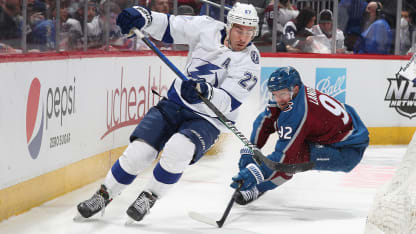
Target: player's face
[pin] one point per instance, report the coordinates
(282, 97)
(240, 36)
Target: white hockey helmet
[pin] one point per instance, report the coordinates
(243, 14)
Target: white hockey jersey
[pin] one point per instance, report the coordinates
(232, 74)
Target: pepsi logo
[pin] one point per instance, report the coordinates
(34, 119)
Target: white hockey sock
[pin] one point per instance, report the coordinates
(176, 156)
(158, 188)
(114, 188)
(137, 157)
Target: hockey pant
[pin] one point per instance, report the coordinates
(329, 158)
(326, 158)
(184, 137)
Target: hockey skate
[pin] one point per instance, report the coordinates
(247, 196)
(141, 206)
(96, 203)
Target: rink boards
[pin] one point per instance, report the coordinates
(66, 118)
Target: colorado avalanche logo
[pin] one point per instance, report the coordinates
(289, 107)
(254, 57)
(32, 112)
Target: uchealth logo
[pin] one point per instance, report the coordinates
(332, 81)
(34, 118)
(402, 96)
(128, 104)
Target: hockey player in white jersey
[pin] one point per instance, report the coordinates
(223, 65)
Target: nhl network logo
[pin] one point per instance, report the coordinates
(402, 96)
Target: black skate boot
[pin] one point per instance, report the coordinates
(247, 196)
(96, 203)
(141, 205)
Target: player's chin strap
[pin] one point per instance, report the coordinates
(258, 155)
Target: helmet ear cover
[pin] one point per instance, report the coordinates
(243, 14)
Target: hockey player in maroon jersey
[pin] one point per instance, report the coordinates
(312, 127)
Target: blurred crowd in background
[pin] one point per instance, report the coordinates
(301, 26)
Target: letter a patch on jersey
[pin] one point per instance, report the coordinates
(226, 63)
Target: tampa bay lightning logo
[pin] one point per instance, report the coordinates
(254, 57)
(203, 70)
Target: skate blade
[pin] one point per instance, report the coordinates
(79, 218)
(130, 222)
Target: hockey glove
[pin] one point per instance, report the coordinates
(245, 158)
(138, 17)
(248, 177)
(190, 89)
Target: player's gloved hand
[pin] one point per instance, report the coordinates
(248, 177)
(139, 17)
(189, 89)
(245, 158)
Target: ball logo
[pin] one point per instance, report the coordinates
(34, 126)
(332, 81)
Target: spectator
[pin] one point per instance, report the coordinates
(185, 10)
(286, 12)
(36, 11)
(64, 43)
(350, 20)
(116, 40)
(215, 12)
(127, 3)
(76, 25)
(9, 23)
(161, 6)
(194, 4)
(390, 11)
(41, 36)
(377, 38)
(72, 29)
(405, 32)
(323, 34)
(297, 33)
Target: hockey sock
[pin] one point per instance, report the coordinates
(162, 181)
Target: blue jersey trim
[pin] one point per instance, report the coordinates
(173, 96)
(234, 102)
(223, 35)
(167, 38)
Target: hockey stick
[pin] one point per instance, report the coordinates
(258, 155)
(201, 218)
